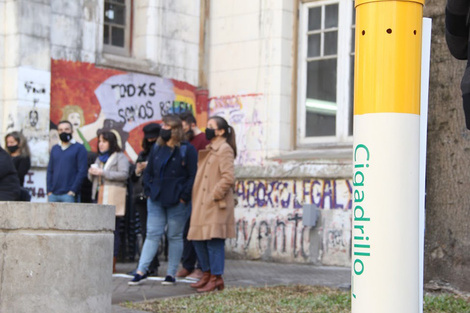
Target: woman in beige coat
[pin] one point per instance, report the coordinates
(212, 217)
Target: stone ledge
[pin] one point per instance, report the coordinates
(56, 216)
(296, 170)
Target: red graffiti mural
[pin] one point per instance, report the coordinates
(93, 98)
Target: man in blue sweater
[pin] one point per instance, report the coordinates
(67, 167)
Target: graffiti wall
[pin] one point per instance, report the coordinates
(243, 113)
(94, 98)
(35, 182)
(31, 115)
(269, 221)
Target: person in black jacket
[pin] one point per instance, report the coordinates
(139, 199)
(9, 181)
(168, 182)
(18, 149)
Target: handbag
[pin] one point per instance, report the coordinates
(113, 195)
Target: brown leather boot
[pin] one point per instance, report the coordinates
(114, 265)
(215, 282)
(203, 281)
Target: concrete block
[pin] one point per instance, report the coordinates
(286, 112)
(240, 81)
(66, 31)
(35, 52)
(286, 81)
(139, 46)
(191, 8)
(12, 48)
(285, 136)
(2, 15)
(56, 216)
(35, 19)
(56, 257)
(235, 28)
(11, 18)
(144, 4)
(70, 8)
(234, 7)
(143, 16)
(235, 56)
(224, 8)
(65, 53)
(2, 51)
(287, 30)
(89, 35)
(179, 26)
(178, 53)
(11, 84)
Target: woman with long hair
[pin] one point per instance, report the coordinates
(18, 149)
(212, 218)
(168, 182)
(111, 168)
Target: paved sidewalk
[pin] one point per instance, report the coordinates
(238, 273)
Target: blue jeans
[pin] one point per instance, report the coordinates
(158, 217)
(211, 254)
(62, 198)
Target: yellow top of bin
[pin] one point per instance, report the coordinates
(359, 2)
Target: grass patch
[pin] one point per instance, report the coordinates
(297, 298)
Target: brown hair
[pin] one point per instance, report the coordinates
(22, 144)
(229, 133)
(109, 136)
(176, 125)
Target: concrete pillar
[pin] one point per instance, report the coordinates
(56, 257)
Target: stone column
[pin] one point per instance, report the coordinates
(56, 257)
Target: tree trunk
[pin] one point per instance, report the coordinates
(447, 239)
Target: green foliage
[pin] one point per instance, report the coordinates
(297, 298)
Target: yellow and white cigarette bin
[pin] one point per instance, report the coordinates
(385, 253)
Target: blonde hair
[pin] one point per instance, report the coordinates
(69, 109)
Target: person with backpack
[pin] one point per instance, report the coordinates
(168, 181)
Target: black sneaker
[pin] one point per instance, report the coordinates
(169, 280)
(137, 280)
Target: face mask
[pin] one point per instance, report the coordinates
(65, 137)
(165, 134)
(12, 149)
(210, 133)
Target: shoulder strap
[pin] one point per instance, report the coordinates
(183, 148)
(155, 148)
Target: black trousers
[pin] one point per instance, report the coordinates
(189, 257)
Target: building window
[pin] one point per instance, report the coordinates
(116, 32)
(326, 65)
